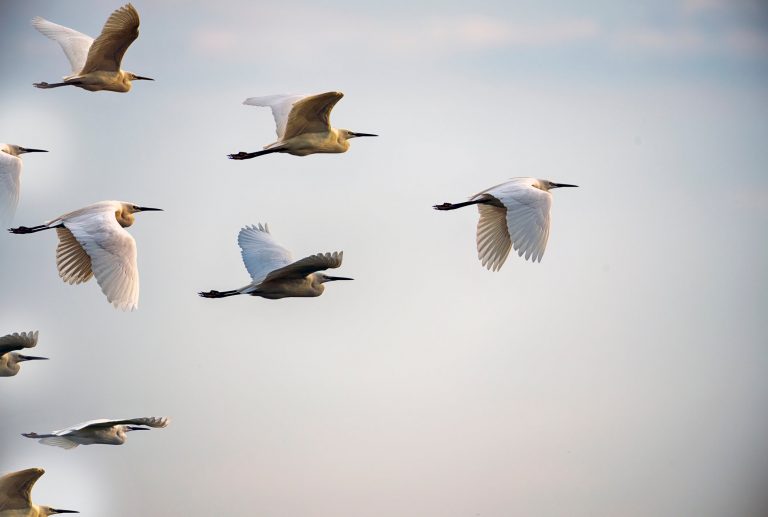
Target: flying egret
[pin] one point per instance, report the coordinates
(16, 495)
(514, 214)
(103, 431)
(9, 358)
(96, 63)
(10, 178)
(303, 125)
(92, 242)
(273, 271)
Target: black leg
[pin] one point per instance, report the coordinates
(247, 156)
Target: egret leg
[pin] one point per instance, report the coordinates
(35, 435)
(45, 85)
(454, 206)
(39, 228)
(218, 294)
(246, 156)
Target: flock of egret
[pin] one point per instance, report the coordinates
(93, 241)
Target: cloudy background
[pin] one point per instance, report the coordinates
(625, 375)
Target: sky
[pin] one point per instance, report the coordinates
(625, 375)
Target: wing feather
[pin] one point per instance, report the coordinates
(311, 114)
(73, 262)
(58, 441)
(107, 51)
(17, 341)
(10, 183)
(306, 266)
(281, 107)
(75, 44)
(16, 488)
(261, 252)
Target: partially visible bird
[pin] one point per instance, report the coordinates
(107, 432)
(92, 242)
(303, 125)
(96, 63)
(9, 358)
(16, 495)
(10, 178)
(514, 214)
(273, 271)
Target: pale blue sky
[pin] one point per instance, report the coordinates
(625, 375)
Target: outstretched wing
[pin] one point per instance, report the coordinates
(73, 262)
(149, 421)
(493, 242)
(112, 251)
(311, 114)
(261, 252)
(75, 44)
(281, 107)
(107, 51)
(306, 266)
(16, 488)
(10, 174)
(17, 341)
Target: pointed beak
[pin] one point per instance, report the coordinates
(133, 428)
(558, 185)
(26, 150)
(140, 78)
(54, 510)
(148, 209)
(332, 278)
(30, 358)
(361, 134)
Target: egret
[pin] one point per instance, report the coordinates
(10, 178)
(103, 431)
(93, 242)
(16, 495)
(303, 125)
(96, 63)
(9, 358)
(514, 214)
(273, 271)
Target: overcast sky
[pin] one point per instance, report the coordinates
(624, 375)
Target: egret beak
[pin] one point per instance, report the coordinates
(23, 150)
(54, 510)
(361, 134)
(30, 358)
(133, 428)
(558, 185)
(332, 278)
(140, 78)
(148, 209)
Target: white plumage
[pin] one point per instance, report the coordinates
(10, 179)
(102, 431)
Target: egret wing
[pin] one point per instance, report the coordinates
(493, 242)
(10, 181)
(311, 114)
(16, 488)
(308, 265)
(17, 341)
(281, 107)
(261, 252)
(58, 441)
(150, 421)
(107, 51)
(112, 251)
(73, 262)
(75, 44)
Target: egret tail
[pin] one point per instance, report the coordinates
(219, 294)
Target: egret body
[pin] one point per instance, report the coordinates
(10, 359)
(303, 125)
(16, 495)
(273, 271)
(10, 178)
(93, 242)
(96, 63)
(103, 431)
(514, 214)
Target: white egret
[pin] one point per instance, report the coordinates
(93, 242)
(10, 178)
(9, 358)
(514, 214)
(16, 495)
(303, 125)
(96, 63)
(103, 431)
(273, 271)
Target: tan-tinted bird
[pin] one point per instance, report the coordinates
(10, 178)
(303, 125)
(273, 271)
(9, 358)
(16, 495)
(93, 242)
(103, 431)
(96, 63)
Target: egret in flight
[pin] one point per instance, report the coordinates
(10, 358)
(93, 242)
(303, 125)
(273, 271)
(16, 495)
(96, 63)
(10, 178)
(107, 432)
(515, 215)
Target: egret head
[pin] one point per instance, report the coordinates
(322, 278)
(347, 134)
(15, 150)
(47, 510)
(133, 77)
(125, 217)
(547, 185)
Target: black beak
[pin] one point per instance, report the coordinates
(134, 428)
(558, 185)
(140, 78)
(25, 150)
(31, 358)
(54, 510)
(332, 278)
(148, 209)
(362, 134)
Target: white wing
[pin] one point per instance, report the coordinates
(107, 51)
(16, 488)
(261, 252)
(17, 341)
(307, 266)
(151, 421)
(527, 222)
(10, 174)
(81, 425)
(58, 441)
(112, 251)
(75, 44)
(281, 107)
